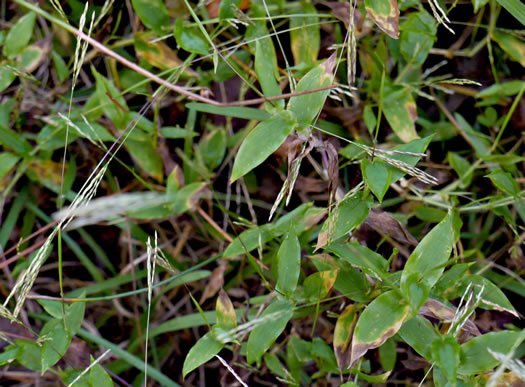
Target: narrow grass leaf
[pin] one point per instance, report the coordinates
(243, 112)
(275, 317)
(515, 8)
(289, 264)
(385, 13)
(261, 142)
(380, 320)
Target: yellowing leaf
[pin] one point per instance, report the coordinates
(381, 320)
(513, 47)
(344, 328)
(400, 112)
(385, 14)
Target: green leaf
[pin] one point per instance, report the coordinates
(426, 264)
(388, 354)
(12, 140)
(461, 166)
(305, 36)
(418, 33)
(226, 317)
(265, 61)
(7, 161)
(376, 176)
(99, 377)
(362, 257)
(306, 107)
(415, 290)
(243, 112)
(29, 354)
(380, 320)
(75, 316)
(19, 35)
(153, 14)
(504, 89)
(176, 132)
(505, 182)
(511, 45)
(212, 147)
(344, 328)
(419, 333)
(272, 322)
(7, 76)
(205, 349)
(446, 352)
(515, 7)
(227, 7)
(248, 240)
(449, 280)
(478, 4)
(475, 357)
(112, 110)
(56, 343)
(289, 264)
(349, 214)
(385, 13)
(492, 297)
(318, 285)
(416, 146)
(400, 112)
(274, 365)
(190, 39)
(60, 66)
(261, 142)
(145, 155)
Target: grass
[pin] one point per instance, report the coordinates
(394, 132)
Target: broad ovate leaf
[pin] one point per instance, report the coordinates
(318, 285)
(426, 264)
(270, 325)
(349, 214)
(206, 348)
(307, 106)
(261, 142)
(475, 355)
(401, 113)
(385, 13)
(380, 320)
(376, 176)
(446, 353)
